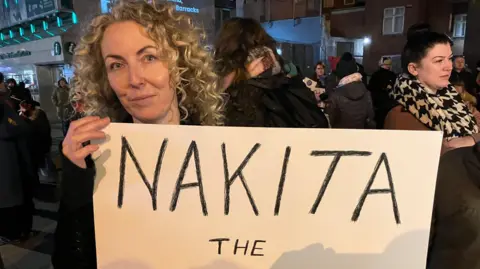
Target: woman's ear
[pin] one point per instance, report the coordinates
(412, 69)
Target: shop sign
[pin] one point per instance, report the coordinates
(10, 55)
(179, 7)
(57, 49)
(70, 47)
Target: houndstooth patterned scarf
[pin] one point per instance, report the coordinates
(443, 111)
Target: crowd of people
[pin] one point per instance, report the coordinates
(142, 63)
(25, 141)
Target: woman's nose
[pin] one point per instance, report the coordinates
(136, 76)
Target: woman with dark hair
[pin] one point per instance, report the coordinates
(256, 83)
(426, 99)
(320, 74)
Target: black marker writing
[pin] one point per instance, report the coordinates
(192, 151)
(238, 173)
(152, 188)
(255, 248)
(220, 241)
(333, 165)
(238, 246)
(281, 184)
(368, 190)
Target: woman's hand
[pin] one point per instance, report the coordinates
(81, 131)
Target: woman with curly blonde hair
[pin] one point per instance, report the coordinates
(141, 63)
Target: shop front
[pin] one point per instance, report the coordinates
(39, 64)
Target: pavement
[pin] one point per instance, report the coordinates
(35, 253)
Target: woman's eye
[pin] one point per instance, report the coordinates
(115, 66)
(150, 58)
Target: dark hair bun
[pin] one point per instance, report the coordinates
(418, 30)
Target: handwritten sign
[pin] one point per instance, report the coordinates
(184, 197)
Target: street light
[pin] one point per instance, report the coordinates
(367, 40)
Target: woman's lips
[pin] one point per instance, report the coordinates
(142, 100)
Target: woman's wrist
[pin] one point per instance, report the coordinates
(475, 137)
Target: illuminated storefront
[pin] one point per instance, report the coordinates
(33, 46)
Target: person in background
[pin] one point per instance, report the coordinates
(41, 141)
(258, 92)
(381, 83)
(17, 175)
(26, 94)
(61, 102)
(426, 99)
(460, 73)
(319, 76)
(15, 94)
(349, 106)
(470, 100)
(140, 63)
(361, 70)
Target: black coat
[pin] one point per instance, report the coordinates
(381, 83)
(17, 175)
(350, 107)
(75, 234)
(456, 228)
(273, 101)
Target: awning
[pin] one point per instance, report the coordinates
(301, 30)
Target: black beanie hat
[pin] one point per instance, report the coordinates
(346, 66)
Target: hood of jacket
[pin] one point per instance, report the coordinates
(352, 91)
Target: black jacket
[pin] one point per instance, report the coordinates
(350, 107)
(456, 228)
(273, 101)
(381, 83)
(17, 176)
(75, 234)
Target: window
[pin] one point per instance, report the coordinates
(106, 5)
(328, 3)
(393, 20)
(459, 25)
(348, 2)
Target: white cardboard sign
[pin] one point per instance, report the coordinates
(185, 197)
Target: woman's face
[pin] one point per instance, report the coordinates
(459, 63)
(62, 83)
(435, 68)
(138, 77)
(319, 70)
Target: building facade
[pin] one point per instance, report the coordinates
(297, 26)
(382, 25)
(34, 45)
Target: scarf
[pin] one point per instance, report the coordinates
(443, 111)
(349, 79)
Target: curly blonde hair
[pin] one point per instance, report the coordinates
(190, 65)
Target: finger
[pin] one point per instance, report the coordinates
(254, 64)
(96, 125)
(81, 138)
(85, 151)
(80, 122)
